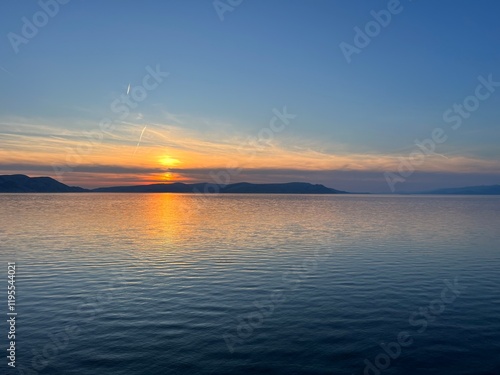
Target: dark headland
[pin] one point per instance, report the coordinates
(25, 184)
(19, 183)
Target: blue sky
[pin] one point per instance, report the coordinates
(226, 77)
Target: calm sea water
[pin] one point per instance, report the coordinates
(253, 284)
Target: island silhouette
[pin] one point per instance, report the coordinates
(23, 184)
(19, 183)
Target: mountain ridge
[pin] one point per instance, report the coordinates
(19, 183)
(237, 188)
(468, 190)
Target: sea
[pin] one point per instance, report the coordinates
(146, 284)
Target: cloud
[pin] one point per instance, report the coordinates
(99, 158)
(115, 169)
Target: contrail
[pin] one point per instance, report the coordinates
(140, 138)
(5, 70)
(444, 156)
(128, 88)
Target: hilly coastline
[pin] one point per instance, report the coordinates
(25, 184)
(238, 188)
(19, 183)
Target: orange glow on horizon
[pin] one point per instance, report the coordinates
(175, 154)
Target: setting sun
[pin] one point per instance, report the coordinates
(168, 161)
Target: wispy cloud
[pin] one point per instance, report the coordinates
(35, 145)
(5, 70)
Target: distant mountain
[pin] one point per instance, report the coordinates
(19, 183)
(288, 188)
(23, 184)
(239, 188)
(470, 190)
(176, 187)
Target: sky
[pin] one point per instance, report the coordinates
(363, 96)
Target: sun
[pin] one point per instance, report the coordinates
(168, 161)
